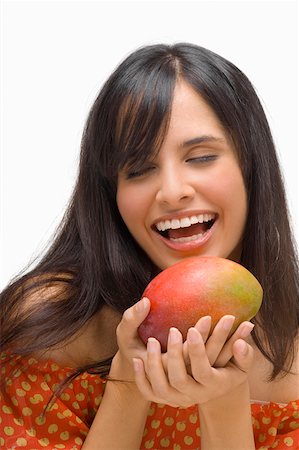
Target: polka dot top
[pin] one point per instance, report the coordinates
(27, 389)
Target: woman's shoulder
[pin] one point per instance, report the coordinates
(93, 342)
(96, 341)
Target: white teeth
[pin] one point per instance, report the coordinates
(167, 224)
(185, 222)
(193, 220)
(175, 224)
(187, 239)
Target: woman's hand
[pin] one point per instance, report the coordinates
(129, 344)
(219, 347)
(178, 385)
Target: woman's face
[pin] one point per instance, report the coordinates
(190, 200)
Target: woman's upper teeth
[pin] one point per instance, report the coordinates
(174, 224)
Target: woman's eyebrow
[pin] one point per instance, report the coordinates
(201, 139)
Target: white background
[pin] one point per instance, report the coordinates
(57, 54)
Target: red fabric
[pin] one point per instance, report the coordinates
(27, 388)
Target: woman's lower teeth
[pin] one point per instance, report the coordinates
(187, 238)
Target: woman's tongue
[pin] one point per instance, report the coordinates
(198, 228)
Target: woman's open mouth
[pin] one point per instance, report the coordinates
(186, 232)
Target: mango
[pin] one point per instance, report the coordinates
(195, 287)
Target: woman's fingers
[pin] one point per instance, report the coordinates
(174, 385)
(159, 385)
(242, 332)
(141, 380)
(176, 367)
(200, 364)
(129, 343)
(216, 341)
(132, 318)
(242, 355)
(203, 325)
(144, 385)
(154, 369)
(219, 344)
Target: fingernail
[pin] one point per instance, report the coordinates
(204, 324)
(193, 336)
(246, 329)
(228, 322)
(142, 304)
(151, 344)
(174, 336)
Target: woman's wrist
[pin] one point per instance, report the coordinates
(226, 421)
(121, 369)
(123, 404)
(239, 395)
(121, 380)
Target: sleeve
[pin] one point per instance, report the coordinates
(276, 426)
(32, 418)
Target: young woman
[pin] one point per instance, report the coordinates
(177, 160)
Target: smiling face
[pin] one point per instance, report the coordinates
(190, 200)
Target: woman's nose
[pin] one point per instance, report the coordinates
(174, 189)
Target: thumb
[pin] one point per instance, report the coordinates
(132, 318)
(242, 355)
(138, 312)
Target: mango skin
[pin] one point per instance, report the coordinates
(195, 287)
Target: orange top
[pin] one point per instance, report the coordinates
(27, 389)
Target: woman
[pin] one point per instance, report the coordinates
(176, 135)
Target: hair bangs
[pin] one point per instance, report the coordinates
(143, 119)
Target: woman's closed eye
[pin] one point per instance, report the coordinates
(146, 170)
(139, 172)
(202, 159)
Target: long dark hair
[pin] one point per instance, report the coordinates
(94, 260)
